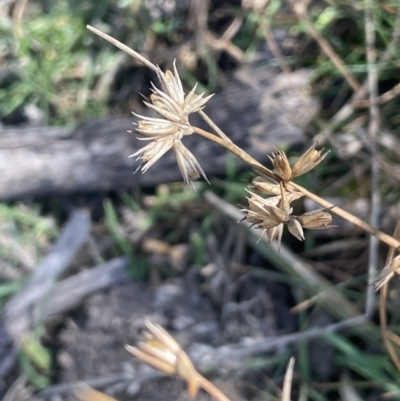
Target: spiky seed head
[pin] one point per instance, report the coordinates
(281, 164)
(172, 88)
(317, 219)
(308, 160)
(153, 151)
(278, 214)
(257, 214)
(153, 128)
(167, 132)
(187, 163)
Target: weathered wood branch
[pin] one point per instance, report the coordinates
(256, 109)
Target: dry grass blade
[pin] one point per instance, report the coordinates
(287, 384)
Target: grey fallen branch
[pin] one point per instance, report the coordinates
(17, 314)
(36, 161)
(69, 293)
(18, 318)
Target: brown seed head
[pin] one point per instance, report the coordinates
(308, 160)
(258, 213)
(281, 164)
(278, 214)
(318, 219)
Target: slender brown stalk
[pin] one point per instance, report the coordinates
(348, 109)
(211, 389)
(384, 329)
(273, 45)
(214, 126)
(237, 151)
(123, 47)
(349, 217)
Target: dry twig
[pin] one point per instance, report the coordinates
(300, 10)
(373, 133)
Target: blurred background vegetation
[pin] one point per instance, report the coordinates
(53, 71)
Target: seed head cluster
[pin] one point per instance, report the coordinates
(167, 132)
(273, 213)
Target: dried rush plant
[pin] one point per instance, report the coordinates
(269, 200)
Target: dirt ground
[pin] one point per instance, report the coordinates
(92, 341)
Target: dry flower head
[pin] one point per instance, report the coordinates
(271, 214)
(310, 159)
(317, 219)
(166, 133)
(162, 352)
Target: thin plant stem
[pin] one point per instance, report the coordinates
(236, 151)
(211, 389)
(373, 131)
(301, 13)
(348, 109)
(214, 126)
(273, 44)
(387, 239)
(335, 58)
(123, 47)
(300, 10)
(384, 329)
